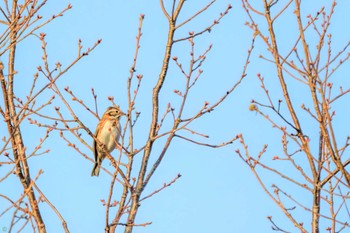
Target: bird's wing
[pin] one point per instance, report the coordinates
(98, 129)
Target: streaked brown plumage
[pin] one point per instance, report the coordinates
(108, 133)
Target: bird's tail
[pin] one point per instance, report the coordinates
(96, 170)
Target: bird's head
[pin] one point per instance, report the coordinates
(114, 112)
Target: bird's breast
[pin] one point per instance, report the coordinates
(109, 135)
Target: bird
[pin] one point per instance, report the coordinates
(107, 134)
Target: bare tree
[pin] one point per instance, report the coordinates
(22, 19)
(169, 121)
(310, 147)
(312, 150)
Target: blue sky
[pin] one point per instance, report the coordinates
(217, 192)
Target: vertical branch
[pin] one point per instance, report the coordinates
(323, 115)
(131, 102)
(153, 128)
(22, 167)
(285, 89)
(305, 144)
